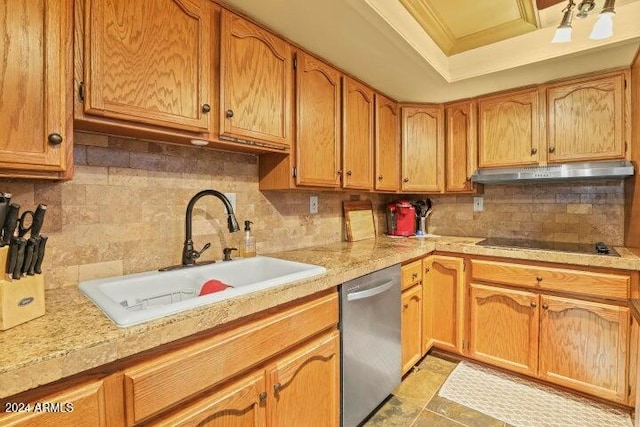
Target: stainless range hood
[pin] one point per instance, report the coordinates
(577, 171)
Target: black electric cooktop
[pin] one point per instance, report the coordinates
(581, 248)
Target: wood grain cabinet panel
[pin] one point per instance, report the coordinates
(256, 84)
(35, 90)
(583, 345)
(318, 124)
(411, 274)
(411, 327)
(422, 149)
(461, 143)
(357, 135)
(508, 130)
(387, 144)
(442, 303)
(304, 387)
(586, 120)
(504, 328)
(149, 62)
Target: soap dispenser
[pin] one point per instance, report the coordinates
(248, 246)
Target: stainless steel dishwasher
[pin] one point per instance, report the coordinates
(371, 347)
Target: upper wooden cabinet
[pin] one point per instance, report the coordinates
(586, 120)
(387, 144)
(461, 145)
(317, 147)
(423, 149)
(357, 135)
(35, 91)
(149, 62)
(256, 84)
(508, 129)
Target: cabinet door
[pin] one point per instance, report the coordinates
(504, 328)
(149, 61)
(583, 345)
(317, 123)
(461, 142)
(443, 300)
(411, 325)
(422, 149)
(35, 113)
(509, 130)
(387, 143)
(586, 120)
(304, 388)
(243, 403)
(357, 139)
(256, 83)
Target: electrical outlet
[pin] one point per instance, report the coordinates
(232, 200)
(478, 204)
(313, 204)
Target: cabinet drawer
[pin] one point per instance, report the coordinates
(411, 274)
(162, 382)
(604, 285)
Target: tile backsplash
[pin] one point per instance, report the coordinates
(124, 210)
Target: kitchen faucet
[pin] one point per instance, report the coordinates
(190, 255)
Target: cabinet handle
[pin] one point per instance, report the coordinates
(534, 151)
(405, 306)
(552, 149)
(206, 108)
(277, 387)
(414, 276)
(228, 114)
(405, 180)
(539, 278)
(55, 139)
(263, 397)
(348, 173)
(533, 304)
(545, 307)
(379, 177)
(427, 269)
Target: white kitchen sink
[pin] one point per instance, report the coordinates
(137, 298)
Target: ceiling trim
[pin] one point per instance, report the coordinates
(436, 27)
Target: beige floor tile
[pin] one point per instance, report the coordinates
(468, 417)
(420, 386)
(431, 419)
(438, 365)
(396, 412)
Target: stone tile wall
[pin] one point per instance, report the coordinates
(124, 210)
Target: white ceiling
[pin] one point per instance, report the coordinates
(380, 43)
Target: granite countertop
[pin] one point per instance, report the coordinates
(74, 335)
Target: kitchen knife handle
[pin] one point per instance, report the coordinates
(28, 255)
(31, 267)
(10, 222)
(38, 220)
(43, 242)
(17, 270)
(13, 256)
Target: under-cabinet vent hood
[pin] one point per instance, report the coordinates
(594, 170)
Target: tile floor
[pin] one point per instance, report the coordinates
(415, 403)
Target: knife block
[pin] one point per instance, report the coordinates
(20, 300)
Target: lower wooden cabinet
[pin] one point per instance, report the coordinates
(411, 327)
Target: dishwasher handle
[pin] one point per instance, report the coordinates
(370, 292)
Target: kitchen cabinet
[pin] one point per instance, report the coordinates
(422, 149)
(318, 126)
(586, 120)
(411, 327)
(357, 135)
(460, 151)
(387, 144)
(35, 91)
(504, 328)
(443, 303)
(256, 93)
(150, 62)
(509, 129)
(583, 345)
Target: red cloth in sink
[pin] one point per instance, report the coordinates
(211, 286)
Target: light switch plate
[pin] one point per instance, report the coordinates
(478, 204)
(313, 204)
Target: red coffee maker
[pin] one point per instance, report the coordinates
(401, 218)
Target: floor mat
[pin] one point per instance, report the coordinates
(519, 402)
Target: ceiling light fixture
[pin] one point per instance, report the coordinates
(602, 29)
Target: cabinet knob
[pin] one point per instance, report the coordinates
(405, 306)
(427, 269)
(55, 139)
(379, 177)
(414, 276)
(263, 397)
(348, 173)
(534, 151)
(539, 278)
(277, 387)
(533, 304)
(405, 180)
(228, 114)
(552, 149)
(206, 108)
(339, 172)
(545, 306)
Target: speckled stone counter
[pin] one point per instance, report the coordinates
(74, 335)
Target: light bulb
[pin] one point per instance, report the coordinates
(562, 35)
(603, 28)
